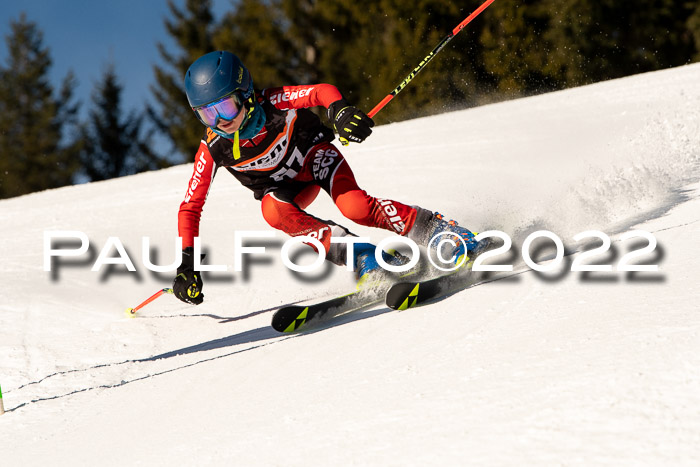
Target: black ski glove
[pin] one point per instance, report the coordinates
(187, 286)
(349, 122)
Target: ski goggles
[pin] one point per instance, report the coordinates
(226, 108)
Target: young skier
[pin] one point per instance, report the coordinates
(280, 150)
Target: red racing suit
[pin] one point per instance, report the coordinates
(285, 165)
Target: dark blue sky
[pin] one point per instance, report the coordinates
(86, 35)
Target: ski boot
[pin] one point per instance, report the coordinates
(369, 272)
(456, 246)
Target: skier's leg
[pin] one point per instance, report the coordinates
(284, 212)
(307, 196)
(291, 219)
(418, 224)
(326, 166)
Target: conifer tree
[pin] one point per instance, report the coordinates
(192, 30)
(367, 48)
(112, 143)
(693, 24)
(36, 151)
(516, 49)
(606, 39)
(536, 46)
(407, 33)
(255, 32)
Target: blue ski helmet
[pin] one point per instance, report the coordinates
(214, 76)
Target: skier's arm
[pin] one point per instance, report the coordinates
(187, 285)
(351, 123)
(300, 97)
(196, 195)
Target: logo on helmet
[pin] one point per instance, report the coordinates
(240, 75)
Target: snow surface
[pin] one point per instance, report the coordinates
(560, 368)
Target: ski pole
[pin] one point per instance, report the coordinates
(132, 311)
(427, 59)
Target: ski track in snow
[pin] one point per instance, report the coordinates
(523, 368)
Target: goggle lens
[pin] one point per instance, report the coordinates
(227, 108)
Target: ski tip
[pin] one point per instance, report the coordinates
(289, 319)
(403, 296)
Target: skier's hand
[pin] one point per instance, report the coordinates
(188, 284)
(349, 122)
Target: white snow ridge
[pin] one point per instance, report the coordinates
(537, 368)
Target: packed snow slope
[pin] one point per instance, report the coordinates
(545, 368)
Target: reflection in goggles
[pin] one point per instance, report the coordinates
(226, 108)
